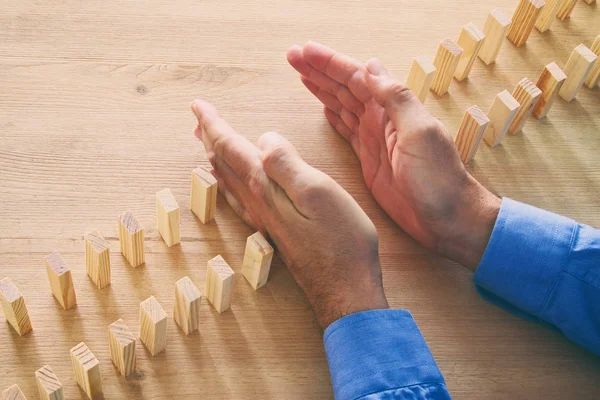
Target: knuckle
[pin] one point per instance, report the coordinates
(274, 156)
(400, 92)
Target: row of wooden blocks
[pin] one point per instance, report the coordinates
(456, 59)
(153, 321)
(509, 113)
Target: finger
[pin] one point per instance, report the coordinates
(219, 137)
(343, 94)
(341, 128)
(339, 67)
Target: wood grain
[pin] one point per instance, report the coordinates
(94, 120)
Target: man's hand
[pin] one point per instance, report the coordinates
(327, 241)
(409, 161)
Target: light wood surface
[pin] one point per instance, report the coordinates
(94, 120)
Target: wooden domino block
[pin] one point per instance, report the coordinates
(470, 133)
(527, 94)
(61, 281)
(131, 237)
(590, 1)
(167, 211)
(523, 21)
(219, 283)
(48, 384)
(547, 15)
(566, 9)
(187, 305)
(121, 344)
(471, 39)
(13, 305)
(446, 60)
(203, 200)
(153, 325)
(97, 259)
(420, 77)
(549, 82)
(594, 75)
(501, 115)
(13, 393)
(495, 28)
(578, 68)
(87, 371)
(257, 260)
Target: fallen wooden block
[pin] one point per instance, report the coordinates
(257, 260)
(501, 115)
(527, 94)
(523, 21)
(48, 384)
(87, 371)
(203, 200)
(578, 68)
(153, 325)
(471, 39)
(445, 62)
(167, 211)
(420, 77)
(470, 133)
(13, 393)
(13, 305)
(566, 9)
(594, 75)
(131, 238)
(61, 281)
(121, 343)
(549, 82)
(219, 283)
(547, 15)
(495, 28)
(187, 305)
(97, 259)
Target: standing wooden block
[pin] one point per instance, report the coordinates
(219, 283)
(167, 211)
(13, 305)
(97, 259)
(549, 82)
(153, 325)
(187, 305)
(13, 393)
(547, 15)
(203, 201)
(578, 68)
(527, 94)
(566, 9)
(471, 39)
(61, 281)
(470, 133)
(257, 260)
(524, 20)
(594, 75)
(87, 371)
(501, 115)
(495, 28)
(121, 344)
(131, 237)
(446, 60)
(420, 77)
(48, 384)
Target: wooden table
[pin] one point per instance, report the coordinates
(94, 120)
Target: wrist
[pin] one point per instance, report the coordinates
(472, 225)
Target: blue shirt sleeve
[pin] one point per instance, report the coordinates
(547, 268)
(381, 354)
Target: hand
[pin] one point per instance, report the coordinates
(327, 241)
(408, 159)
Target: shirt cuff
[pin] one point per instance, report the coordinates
(378, 350)
(523, 259)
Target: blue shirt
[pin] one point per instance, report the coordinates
(537, 264)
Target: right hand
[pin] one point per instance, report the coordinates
(408, 158)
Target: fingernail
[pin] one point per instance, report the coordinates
(374, 67)
(267, 140)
